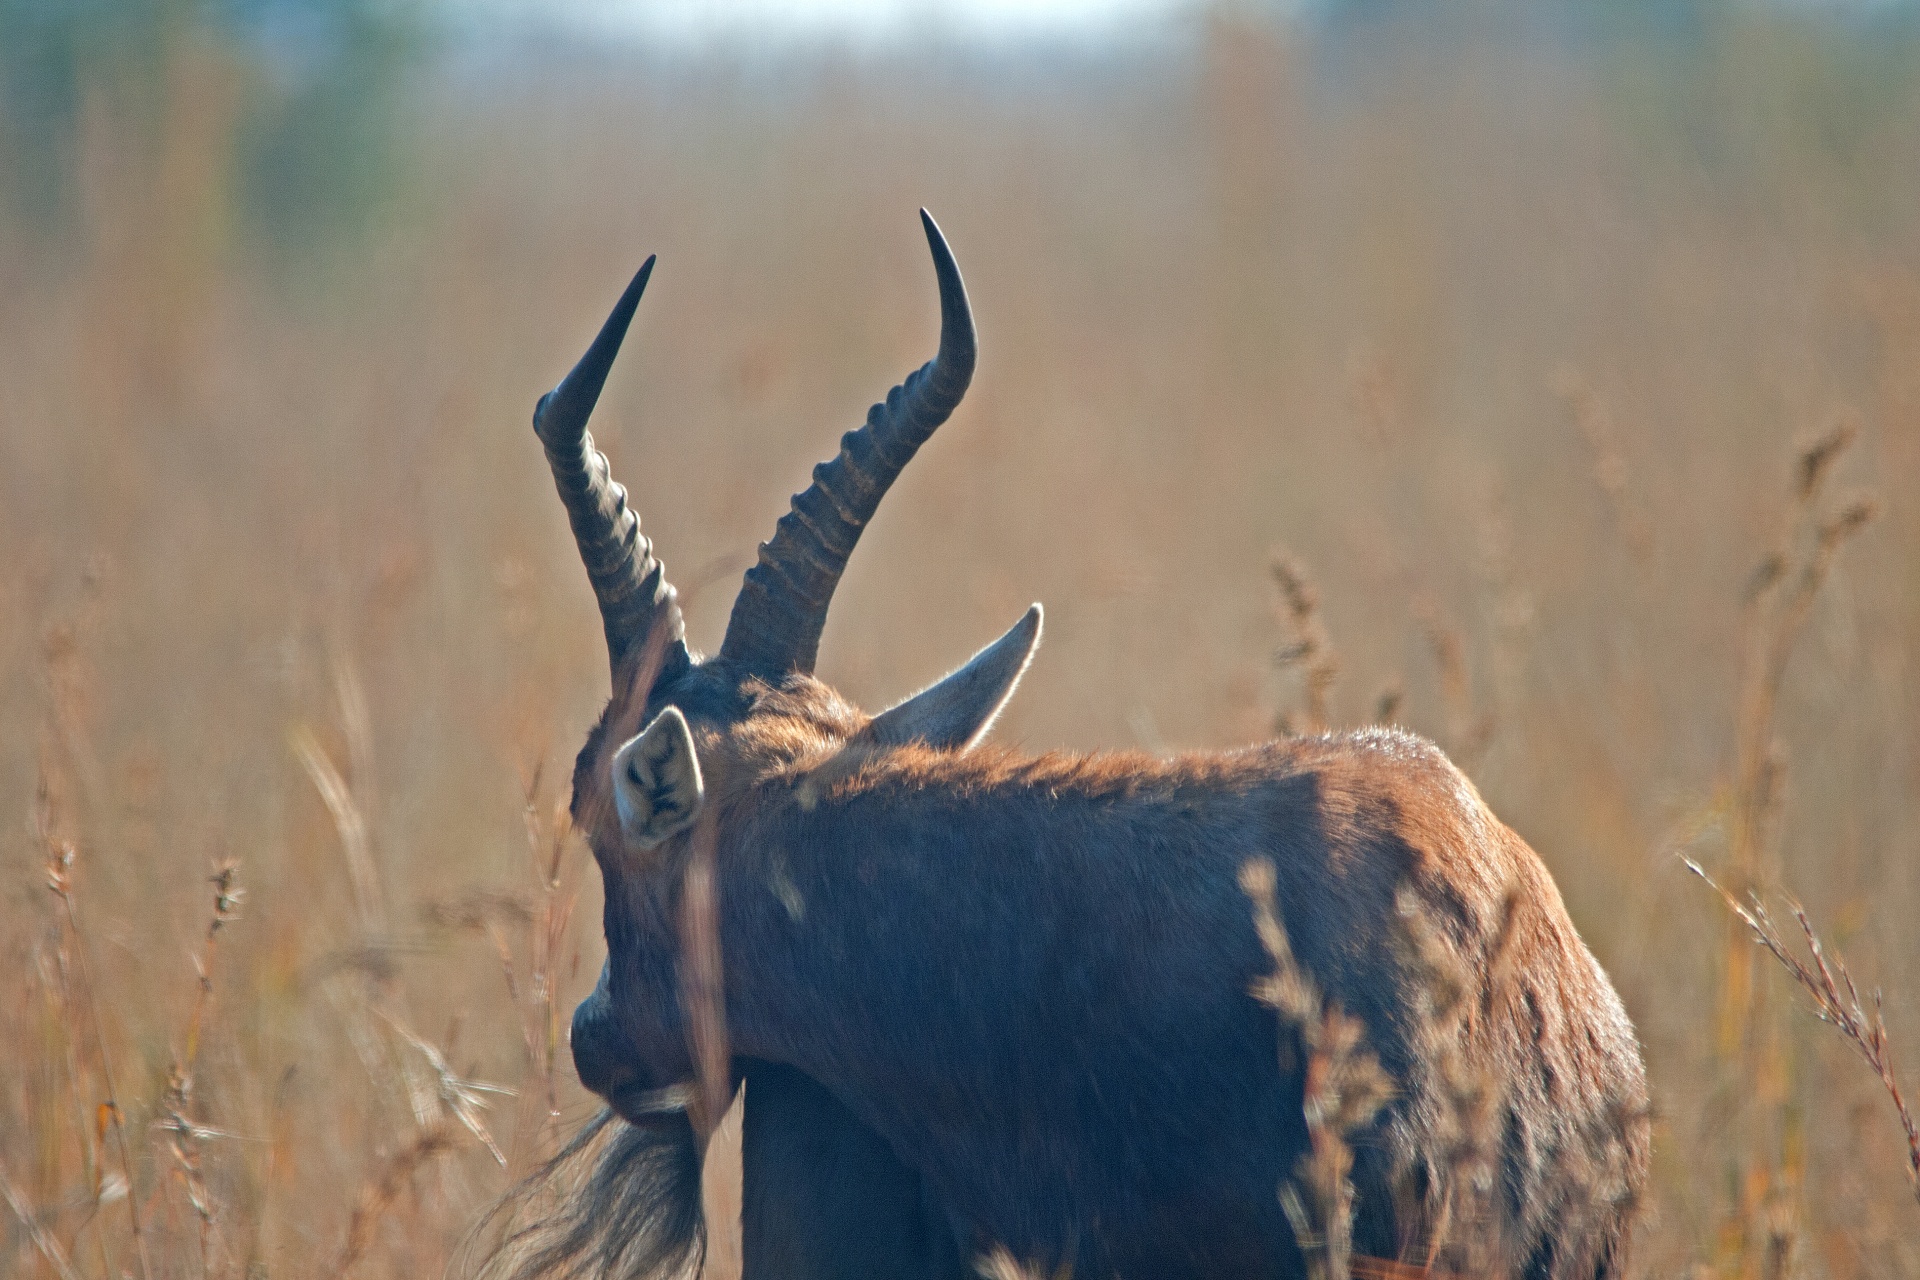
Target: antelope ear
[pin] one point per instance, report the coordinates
(656, 781)
(956, 712)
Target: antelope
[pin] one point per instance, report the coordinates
(981, 1000)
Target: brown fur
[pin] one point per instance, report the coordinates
(1372, 827)
(1014, 996)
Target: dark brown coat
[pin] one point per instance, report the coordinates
(982, 1001)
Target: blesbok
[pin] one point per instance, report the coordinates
(982, 1000)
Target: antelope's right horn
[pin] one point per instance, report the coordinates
(638, 607)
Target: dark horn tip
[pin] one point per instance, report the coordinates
(1030, 624)
(562, 413)
(943, 264)
(957, 342)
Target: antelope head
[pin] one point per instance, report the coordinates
(688, 740)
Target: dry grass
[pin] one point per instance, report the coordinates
(1511, 344)
(1308, 649)
(1345, 1088)
(1836, 1002)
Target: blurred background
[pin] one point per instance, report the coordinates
(1542, 376)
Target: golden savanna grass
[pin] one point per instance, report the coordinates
(1580, 381)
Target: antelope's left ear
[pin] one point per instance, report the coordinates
(955, 713)
(656, 781)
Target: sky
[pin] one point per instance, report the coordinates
(698, 21)
(882, 22)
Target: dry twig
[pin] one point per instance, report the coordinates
(48, 1246)
(1469, 729)
(1836, 1000)
(61, 855)
(1308, 648)
(701, 979)
(1345, 1087)
(378, 1195)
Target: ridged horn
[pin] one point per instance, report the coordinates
(782, 605)
(636, 600)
